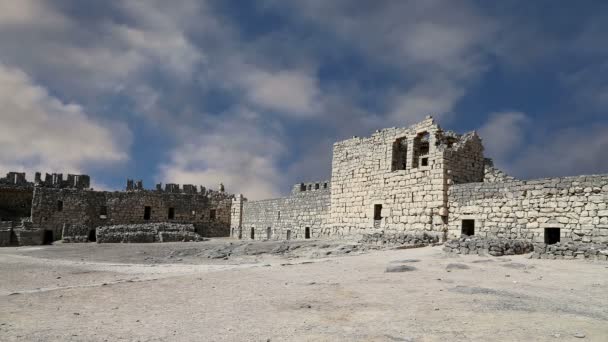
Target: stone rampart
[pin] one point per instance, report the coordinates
(209, 212)
(545, 210)
(301, 215)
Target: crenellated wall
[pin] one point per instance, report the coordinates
(515, 209)
(209, 211)
(284, 218)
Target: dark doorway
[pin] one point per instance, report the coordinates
(171, 214)
(468, 227)
(288, 234)
(307, 233)
(212, 214)
(147, 213)
(377, 212)
(268, 233)
(252, 233)
(92, 235)
(48, 237)
(552, 235)
(59, 205)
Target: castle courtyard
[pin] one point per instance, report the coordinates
(313, 290)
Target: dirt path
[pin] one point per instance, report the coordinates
(80, 293)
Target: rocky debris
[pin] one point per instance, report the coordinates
(571, 250)
(399, 268)
(457, 267)
(494, 247)
(421, 239)
(149, 232)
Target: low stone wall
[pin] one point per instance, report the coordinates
(571, 250)
(495, 247)
(151, 232)
(399, 239)
(29, 237)
(75, 233)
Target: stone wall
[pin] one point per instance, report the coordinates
(413, 239)
(77, 233)
(574, 208)
(54, 207)
(284, 218)
(485, 246)
(6, 234)
(147, 232)
(15, 202)
(395, 170)
(571, 250)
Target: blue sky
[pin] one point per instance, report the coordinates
(253, 94)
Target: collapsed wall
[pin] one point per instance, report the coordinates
(548, 210)
(302, 215)
(149, 232)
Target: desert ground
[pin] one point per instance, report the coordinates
(227, 290)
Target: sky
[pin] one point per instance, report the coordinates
(253, 94)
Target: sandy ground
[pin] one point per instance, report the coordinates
(300, 291)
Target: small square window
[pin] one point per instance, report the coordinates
(424, 162)
(103, 212)
(468, 227)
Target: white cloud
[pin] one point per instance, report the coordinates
(29, 12)
(239, 151)
(290, 92)
(503, 134)
(566, 152)
(436, 98)
(39, 132)
(528, 151)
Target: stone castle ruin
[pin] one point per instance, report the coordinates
(54, 209)
(416, 185)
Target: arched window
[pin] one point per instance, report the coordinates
(421, 149)
(399, 154)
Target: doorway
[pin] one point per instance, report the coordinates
(48, 237)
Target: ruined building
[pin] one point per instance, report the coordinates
(53, 209)
(418, 184)
(422, 184)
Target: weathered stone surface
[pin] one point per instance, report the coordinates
(494, 247)
(399, 268)
(150, 232)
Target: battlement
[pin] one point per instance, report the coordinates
(174, 188)
(313, 186)
(54, 180)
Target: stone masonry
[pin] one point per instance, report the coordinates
(304, 214)
(54, 208)
(415, 185)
